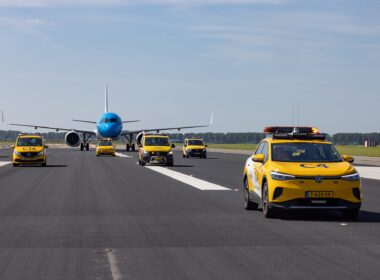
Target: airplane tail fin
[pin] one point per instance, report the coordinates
(106, 100)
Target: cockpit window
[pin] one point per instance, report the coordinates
(29, 142)
(107, 120)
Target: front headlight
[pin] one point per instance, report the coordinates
(146, 153)
(352, 177)
(40, 154)
(281, 176)
(170, 153)
(19, 154)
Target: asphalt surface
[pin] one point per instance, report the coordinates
(84, 217)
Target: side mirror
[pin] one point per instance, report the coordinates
(12, 146)
(206, 146)
(46, 146)
(259, 158)
(349, 159)
(173, 146)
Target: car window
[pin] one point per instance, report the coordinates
(195, 142)
(34, 142)
(157, 141)
(259, 148)
(264, 151)
(305, 152)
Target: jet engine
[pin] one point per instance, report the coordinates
(72, 139)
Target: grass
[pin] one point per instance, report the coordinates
(344, 150)
(234, 146)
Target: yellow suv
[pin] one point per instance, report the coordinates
(29, 149)
(105, 147)
(194, 147)
(156, 148)
(296, 168)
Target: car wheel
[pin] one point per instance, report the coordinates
(248, 204)
(269, 212)
(15, 165)
(350, 214)
(183, 156)
(43, 164)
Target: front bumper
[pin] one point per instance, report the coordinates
(157, 159)
(196, 153)
(105, 152)
(25, 160)
(321, 204)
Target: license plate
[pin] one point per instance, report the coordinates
(319, 194)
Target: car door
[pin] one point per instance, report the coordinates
(251, 169)
(259, 169)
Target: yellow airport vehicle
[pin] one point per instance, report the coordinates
(194, 147)
(156, 149)
(296, 168)
(29, 149)
(105, 147)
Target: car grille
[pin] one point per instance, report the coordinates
(29, 154)
(196, 151)
(158, 153)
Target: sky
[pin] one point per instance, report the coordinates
(173, 62)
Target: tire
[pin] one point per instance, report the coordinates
(350, 214)
(81, 146)
(133, 147)
(97, 155)
(128, 147)
(269, 212)
(183, 156)
(248, 204)
(87, 147)
(170, 164)
(43, 164)
(16, 164)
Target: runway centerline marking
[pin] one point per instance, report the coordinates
(3, 163)
(188, 180)
(369, 172)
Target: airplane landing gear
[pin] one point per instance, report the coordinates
(85, 144)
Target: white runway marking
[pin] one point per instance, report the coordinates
(122, 155)
(2, 163)
(369, 172)
(189, 180)
(115, 271)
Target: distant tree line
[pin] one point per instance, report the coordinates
(221, 138)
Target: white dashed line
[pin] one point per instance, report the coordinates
(369, 172)
(189, 180)
(3, 163)
(122, 155)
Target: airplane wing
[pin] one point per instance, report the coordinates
(54, 128)
(84, 121)
(129, 132)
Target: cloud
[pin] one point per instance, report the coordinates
(21, 23)
(60, 3)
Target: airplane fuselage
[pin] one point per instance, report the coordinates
(109, 125)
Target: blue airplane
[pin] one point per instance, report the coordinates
(109, 125)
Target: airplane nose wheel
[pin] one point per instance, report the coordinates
(133, 147)
(87, 146)
(128, 147)
(81, 146)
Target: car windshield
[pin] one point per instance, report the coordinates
(305, 152)
(157, 141)
(34, 142)
(105, 143)
(195, 142)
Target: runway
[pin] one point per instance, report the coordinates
(84, 217)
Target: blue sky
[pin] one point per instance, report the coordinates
(173, 62)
